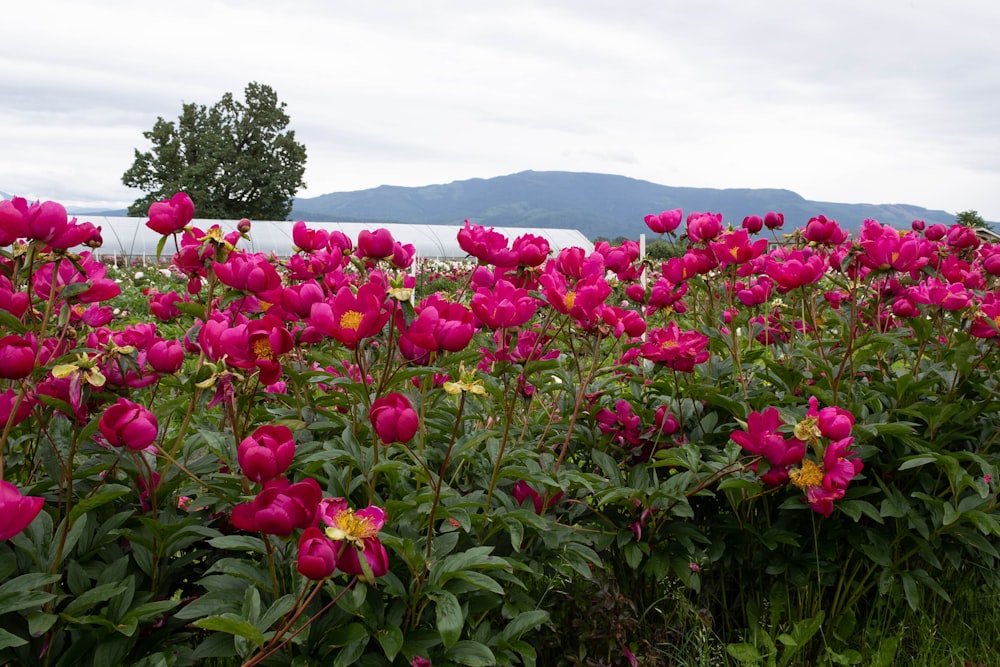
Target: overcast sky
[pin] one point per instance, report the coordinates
(867, 101)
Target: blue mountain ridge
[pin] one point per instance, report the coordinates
(596, 204)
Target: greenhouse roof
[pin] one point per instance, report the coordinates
(129, 237)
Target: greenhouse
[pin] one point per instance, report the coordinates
(129, 237)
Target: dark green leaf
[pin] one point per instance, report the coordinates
(8, 639)
(231, 624)
(523, 622)
(471, 653)
(390, 638)
(449, 616)
(92, 597)
(239, 543)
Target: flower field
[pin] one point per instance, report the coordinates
(777, 447)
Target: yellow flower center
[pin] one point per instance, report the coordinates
(262, 349)
(569, 299)
(807, 476)
(213, 234)
(350, 320)
(349, 526)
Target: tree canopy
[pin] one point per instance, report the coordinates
(235, 159)
(971, 218)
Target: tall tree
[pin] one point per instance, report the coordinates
(971, 218)
(235, 159)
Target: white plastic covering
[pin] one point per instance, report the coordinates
(129, 237)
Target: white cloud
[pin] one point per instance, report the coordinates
(849, 101)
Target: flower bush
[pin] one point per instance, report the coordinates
(314, 459)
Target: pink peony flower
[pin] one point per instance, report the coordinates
(665, 222)
(309, 240)
(704, 227)
(360, 551)
(171, 215)
(393, 418)
(280, 508)
(753, 223)
(503, 306)
(774, 220)
(317, 557)
(128, 424)
(677, 349)
(349, 317)
(16, 511)
(266, 453)
(17, 356)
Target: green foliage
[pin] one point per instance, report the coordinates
(971, 218)
(235, 159)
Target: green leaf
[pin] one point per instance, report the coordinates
(231, 624)
(474, 558)
(112, 650)
(239, 543)
(149, 611)
(10, 323)
(895, 428)
(210, 604)
(916, 462)
(92, 597)
(987, 524)
(278, 610)
(745, 653)
(633, 555)
(8, 639)
(523, 622)
(450, 619)
(68, 544)
(608, 466)
(471, 653)
(18, 601)
(390, 638)
(480, 580)
(911, 590)
(251, 604)
(885, 656)
(74, 289)
(346, 635)
(159, 246)
(348, 656)
(855, 508)
(752, 485)
(515, 529)
(40, 622)
(97, 500)
(895, 504)
(802, 632)
(951, 515)
(27, 582)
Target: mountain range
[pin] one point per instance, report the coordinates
(599, 205)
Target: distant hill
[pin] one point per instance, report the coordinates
(596, 204)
